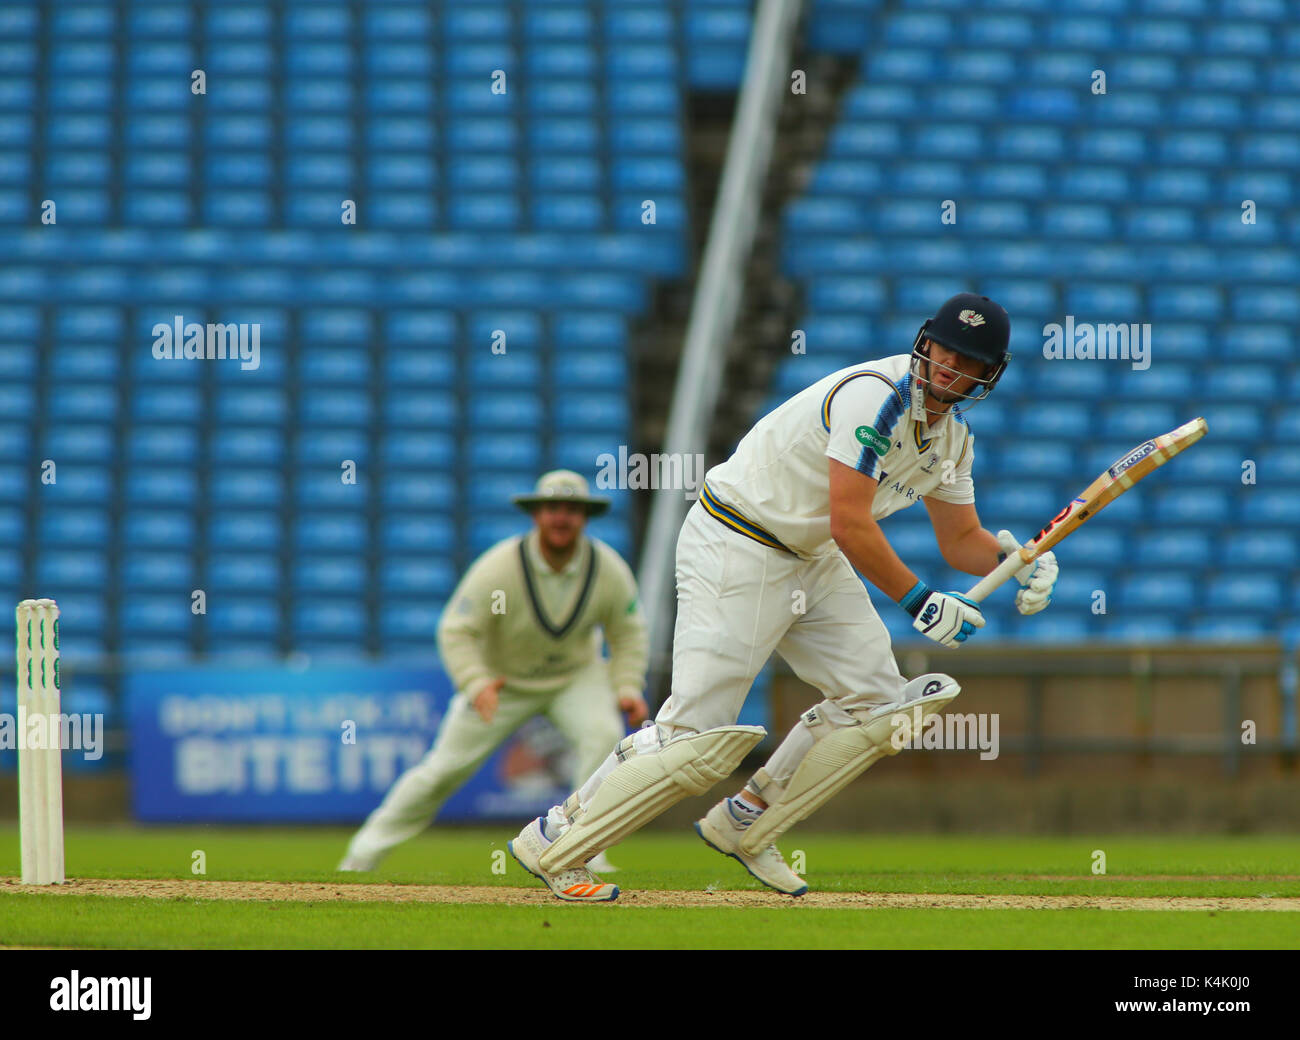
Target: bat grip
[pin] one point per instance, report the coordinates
(995, 578)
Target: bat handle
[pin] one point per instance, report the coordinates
(1001, 574)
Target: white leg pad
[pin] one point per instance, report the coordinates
(839, 755)
(651, 776)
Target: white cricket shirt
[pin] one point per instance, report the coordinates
(776, 486)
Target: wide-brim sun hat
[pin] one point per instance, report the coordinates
(562, 485)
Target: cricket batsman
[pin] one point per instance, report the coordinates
(521, 636)
(765, 562)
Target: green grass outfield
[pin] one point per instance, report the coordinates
(1253, 881)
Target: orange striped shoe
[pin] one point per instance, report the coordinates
(578, 885)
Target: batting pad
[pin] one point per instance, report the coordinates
(839, 757)
(641, 787)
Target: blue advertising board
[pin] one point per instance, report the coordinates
(315, 744)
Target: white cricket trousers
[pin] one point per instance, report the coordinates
(739, 601)
(585, 712)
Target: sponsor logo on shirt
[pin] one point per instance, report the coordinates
(873, 439)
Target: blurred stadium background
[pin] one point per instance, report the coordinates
(524, 212)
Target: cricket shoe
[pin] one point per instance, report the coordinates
(578, 885)
(721, 831)
(358, 864)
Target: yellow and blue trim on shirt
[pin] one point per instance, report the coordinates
(738, 522)
(891, 411)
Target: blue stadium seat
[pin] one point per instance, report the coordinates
(1247, 548)
(1234, 421)
(260, 406)
(489, 411)
(1059, 630)
(423, 329)
(1247, 383)
(646, 134)
(247, 487)
(1244, 594)
(145, 528)
(410, 625)
(1036, 459)
(342, 622)
(1263, 506)
(1268, 149)
(1017, 503)
(74, 527)
(572, 212)
(1014, 180)
(335, 532)
(78, 443)
(486, 451)
(1191, 506)
(1062, 420)
(1165, 591)
(429, 533)
(424, 490)
(1233, 629)
(161, 487)
(590, 370)
(152, 569)
(562, 61)
(1081, 32)
(1072, 220)
(334, 407)
(918, 29)
(1168, 547)
(326, 447)
(423, 450)
(432, 576)
(155, 615)
(72, 569)
(242, 572)
(592, 412)
(245, 529)
(565, 173)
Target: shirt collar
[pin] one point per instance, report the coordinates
(532, 545)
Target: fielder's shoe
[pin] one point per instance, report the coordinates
(721, 831)
(600, 864)
(578, 885)
(359, 864)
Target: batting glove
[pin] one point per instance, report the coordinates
(1036, 579)
(946, 617)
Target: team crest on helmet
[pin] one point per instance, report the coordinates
(971, 317)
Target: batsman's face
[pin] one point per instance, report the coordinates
(559, 524)
(951, 374)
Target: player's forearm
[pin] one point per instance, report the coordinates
(629, 655)
(463, 660)
(867, 548)
(975, 552)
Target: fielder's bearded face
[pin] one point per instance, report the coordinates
(560, 524)
(950, 376)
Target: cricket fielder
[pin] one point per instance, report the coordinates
(520, 637)
(765, 562)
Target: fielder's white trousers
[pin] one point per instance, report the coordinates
(739, 601)
(585, 712)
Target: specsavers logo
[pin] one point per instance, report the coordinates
(869, 436)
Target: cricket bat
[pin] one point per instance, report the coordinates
(1108, 486)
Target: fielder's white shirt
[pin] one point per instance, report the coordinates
(777, 481)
